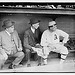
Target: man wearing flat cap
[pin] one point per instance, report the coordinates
(51, 41)
(32, 38)
(10, 44)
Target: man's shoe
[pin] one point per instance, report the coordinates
(61, 61)
(1, 67)
(17, 66)
(11, 66)
(28, 65)
(39, 64)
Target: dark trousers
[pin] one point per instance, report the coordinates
(35, 57)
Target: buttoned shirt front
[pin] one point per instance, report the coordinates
(33, 30)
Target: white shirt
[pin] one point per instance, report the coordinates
(53, 37)
(33, 30)
(8, 33)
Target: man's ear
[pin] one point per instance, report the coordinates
(6, 28)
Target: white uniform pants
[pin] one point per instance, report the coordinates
(55, 48)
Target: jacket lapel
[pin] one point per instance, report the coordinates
(31, 35)
(15, 39)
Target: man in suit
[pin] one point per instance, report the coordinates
(10, 44)
(32, 38)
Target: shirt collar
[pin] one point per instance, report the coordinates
(7, 32)
(33, 30)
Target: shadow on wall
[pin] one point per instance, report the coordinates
(66, 23)
(22, 22)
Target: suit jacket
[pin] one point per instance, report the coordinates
(5, 42)
(31, 39)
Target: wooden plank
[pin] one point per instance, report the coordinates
(71, 50)
(37, 10)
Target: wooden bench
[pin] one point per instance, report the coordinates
(71, 46)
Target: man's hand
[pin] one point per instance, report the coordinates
(61, 43)
(33, 48)
(38, 46)
(19, 49)
(51, 46)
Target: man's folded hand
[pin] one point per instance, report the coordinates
(19, 49)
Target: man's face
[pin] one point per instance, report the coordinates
(11, 29)
(35, 26)
(53, 27)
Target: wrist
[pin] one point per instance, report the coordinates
(63, 42)
(19, 49)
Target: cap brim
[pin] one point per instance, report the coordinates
(4, 26)
(35, 22)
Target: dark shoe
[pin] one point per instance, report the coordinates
(28, 65)
(17, 66)
(11, 66)
(20, 65)
(44, 64)
(39, 64)
(1, 67)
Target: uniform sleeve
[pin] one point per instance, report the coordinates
(65, 35)
(44, 39)
(26, 37)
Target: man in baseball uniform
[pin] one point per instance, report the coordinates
(51, 42)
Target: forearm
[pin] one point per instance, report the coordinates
(19, 45)
(65, 39)
(27, 46)
(44, 43)
(65, 36)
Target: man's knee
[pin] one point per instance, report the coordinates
(21, 54)
(6, 57)
(65, 50)
(3, 57)
(28, 51)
